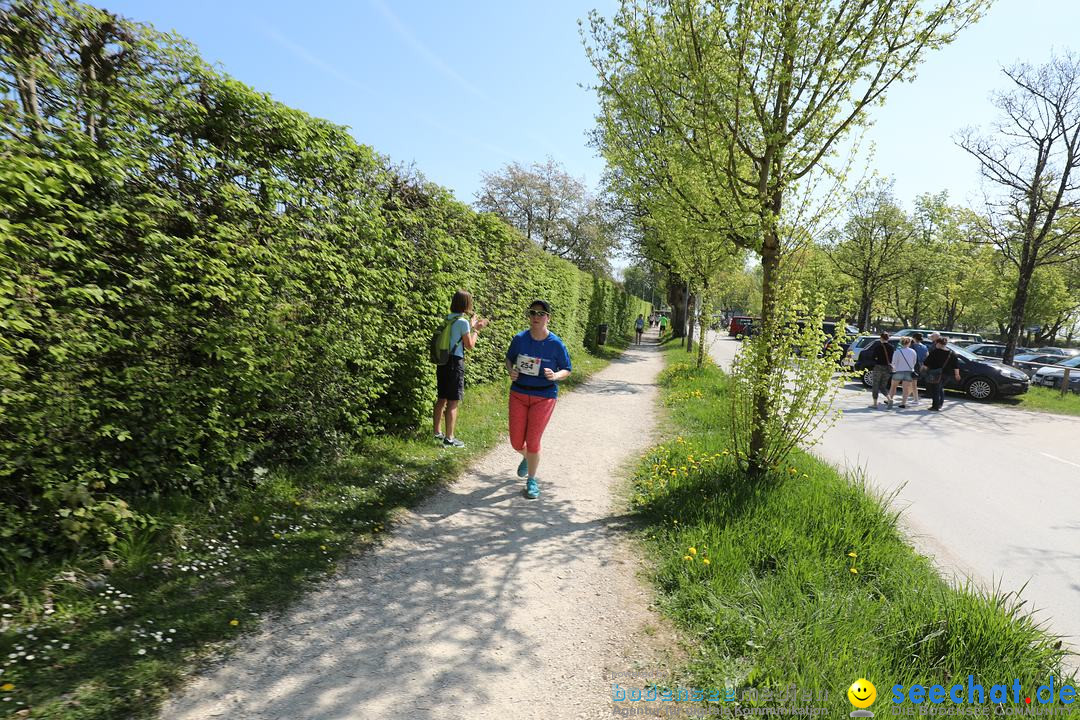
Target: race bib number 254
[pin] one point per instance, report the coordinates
(527, 365)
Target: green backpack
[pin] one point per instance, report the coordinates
(439, 347)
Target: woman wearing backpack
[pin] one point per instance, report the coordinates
(450, 377)
(537, 360)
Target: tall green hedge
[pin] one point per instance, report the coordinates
(196, 279)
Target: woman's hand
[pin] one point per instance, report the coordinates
(479, 323)
(549, 373)
(514, 374)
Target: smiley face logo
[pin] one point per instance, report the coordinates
(862, 693)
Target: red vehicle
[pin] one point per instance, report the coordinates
(740, 324)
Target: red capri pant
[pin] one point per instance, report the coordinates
(529, 416)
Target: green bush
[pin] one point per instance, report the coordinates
(196, 280)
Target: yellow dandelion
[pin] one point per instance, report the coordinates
(793, 471)
(853, 571)
(296, 502)
(322, 547)
(724, 453)
(704, 561)
(256, 518)
(7, 687)
(687, 557)
(692, 551)
(277, 536)
(234, 622)
(852, 555)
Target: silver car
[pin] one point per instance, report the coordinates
(1051, 376)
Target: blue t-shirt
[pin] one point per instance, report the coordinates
(921, 351)
(527, 354)
(460, 327)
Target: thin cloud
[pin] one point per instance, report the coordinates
(304, 54)
(421, 49)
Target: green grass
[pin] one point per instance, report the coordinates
(759, 574)
(107, 635)
(1044, 399)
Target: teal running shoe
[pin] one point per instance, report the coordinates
(532, 490)
(523, 468)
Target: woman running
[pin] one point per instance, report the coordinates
(537, 361)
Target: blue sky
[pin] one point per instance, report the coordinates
(460, 88)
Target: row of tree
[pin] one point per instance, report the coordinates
(934, 267)
(721, 122)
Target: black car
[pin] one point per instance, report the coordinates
(979, 378)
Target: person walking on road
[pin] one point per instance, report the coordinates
(639, 327)
(663, 325)
(921, 351)
(881, 358)
(904, 362)
(537, 361)
(450, 377)
(939, 362)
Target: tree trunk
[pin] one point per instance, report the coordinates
(702, 325)
(1016, 313)
(675, 300)
(770, 265)
(865, 306)
(691, 314)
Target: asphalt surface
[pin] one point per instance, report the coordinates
(991, 493)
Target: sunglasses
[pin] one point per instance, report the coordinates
(537, 313)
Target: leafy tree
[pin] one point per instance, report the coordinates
(1035, 219)
(725, 108)
(869, 248)
(553, 209)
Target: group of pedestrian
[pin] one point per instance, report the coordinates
(536, 361)
(900, 369)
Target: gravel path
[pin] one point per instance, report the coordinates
(482, 604)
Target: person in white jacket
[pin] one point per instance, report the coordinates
(904, 361)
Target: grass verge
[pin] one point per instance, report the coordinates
(803, 579)
(107, 635)
(1044, 399)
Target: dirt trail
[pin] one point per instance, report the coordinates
(482, 604)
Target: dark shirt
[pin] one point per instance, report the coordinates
(941, 358)
(880, 353)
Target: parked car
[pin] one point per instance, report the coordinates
(1030, 363)
(993, 351)
(1063, 352)
(740, 324)
(952, 335)
(1052, 376)
(851, 357)
(979, 378)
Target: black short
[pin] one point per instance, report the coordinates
(451, 378)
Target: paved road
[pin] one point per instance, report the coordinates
(990, 492)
